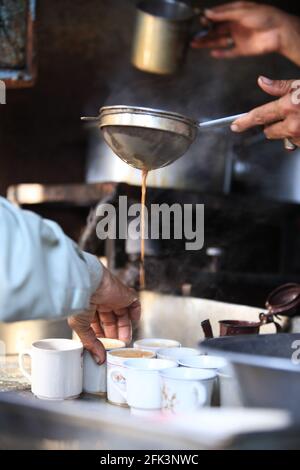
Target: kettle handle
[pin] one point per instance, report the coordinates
(207, 329)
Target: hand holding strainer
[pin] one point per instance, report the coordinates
(148, 139)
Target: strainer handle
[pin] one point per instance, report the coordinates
(88, 118)
(222, 122)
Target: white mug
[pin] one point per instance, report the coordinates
(94, 375)
(142, 391)
(182, 390)
(154, 344)
(176, 354)
(209, 365)
(56, 368)
(116, 381)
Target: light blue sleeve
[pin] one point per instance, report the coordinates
(43, 273)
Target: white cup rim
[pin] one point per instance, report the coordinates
(181, 352)
(177, 373)
(142, 363)
(146, 342)
(69, 345)
(198, 362)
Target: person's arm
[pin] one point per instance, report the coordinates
(43, 274)
(247, 28)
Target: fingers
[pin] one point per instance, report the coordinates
(112, 294)
(124, 327)
(135, 310)
(225, 53)
(217, 42)
(231, 6)
(81, 325)
(275, 87)
(231, 12)
(266, 114)
(96, 325)
(216, 38)
(276, 131)
(117, 324)
(290, 128)
(109, 324)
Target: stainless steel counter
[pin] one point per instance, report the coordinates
(91, 423)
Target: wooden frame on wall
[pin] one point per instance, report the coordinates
(22, 74)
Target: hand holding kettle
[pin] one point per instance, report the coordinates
(245, 29)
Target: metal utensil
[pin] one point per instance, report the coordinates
(267, 368)
(147, 138)
(285, 300)
(163, 29)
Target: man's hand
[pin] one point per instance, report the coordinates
(113, 308)
(280, 118)
(247, 28)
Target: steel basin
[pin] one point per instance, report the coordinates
(267, 368)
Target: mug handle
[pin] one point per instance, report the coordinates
(197, 31)
(26, 352)
(115, 384)
(200, 393)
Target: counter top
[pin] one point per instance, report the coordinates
(92, 423)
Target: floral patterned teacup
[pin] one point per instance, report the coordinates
(185, 390)
(116, 381)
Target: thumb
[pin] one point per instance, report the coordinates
(275, 87)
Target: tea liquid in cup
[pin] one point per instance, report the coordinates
(94, 375)
(116, 372)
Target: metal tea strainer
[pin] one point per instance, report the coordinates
(148, 139)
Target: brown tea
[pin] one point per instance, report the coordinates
(142, 265)
(132, 353)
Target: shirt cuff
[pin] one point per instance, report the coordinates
(95, 268)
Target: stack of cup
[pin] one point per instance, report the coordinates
(157, 374)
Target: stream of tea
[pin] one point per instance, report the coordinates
(143, 201)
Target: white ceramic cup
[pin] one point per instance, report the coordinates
(212, 364)
(176, 354)
(94, 375)
(227, 390)
(143, 384)
(182, 390)
(154, 344)
(116, 381)
(56, 368)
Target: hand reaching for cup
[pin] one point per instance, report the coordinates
(280, 118)
(247, 28)
(112, 310)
